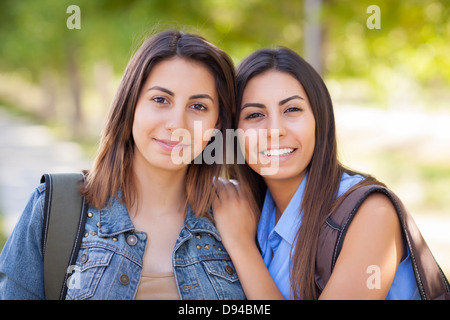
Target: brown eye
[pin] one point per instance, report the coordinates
(160, 100)
(254, 115)
(198, 107)
(292, 109)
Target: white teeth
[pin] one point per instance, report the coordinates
(278, 152)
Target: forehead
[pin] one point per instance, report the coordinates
(272, 84)
(182, 73)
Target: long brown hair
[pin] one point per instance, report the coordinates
(113, 166)
(324, 169)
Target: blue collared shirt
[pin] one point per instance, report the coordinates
(276, 241)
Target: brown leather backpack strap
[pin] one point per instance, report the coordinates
(332, 235)
(430, 280)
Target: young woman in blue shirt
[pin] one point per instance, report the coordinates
(149, 232)
(285, 102)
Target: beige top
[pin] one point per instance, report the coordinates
(157, 286)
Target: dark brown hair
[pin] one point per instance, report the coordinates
(324, 169)
(113, 167)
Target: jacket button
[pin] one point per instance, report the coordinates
(124, 279)
(132, 240)
(84, 258)
(90, 214)
(229, 270)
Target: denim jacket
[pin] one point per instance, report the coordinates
(109, 263)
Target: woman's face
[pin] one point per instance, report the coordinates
(178, 96)
(276, 107)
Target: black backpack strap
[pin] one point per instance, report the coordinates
(64, 219)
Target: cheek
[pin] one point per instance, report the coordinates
(144, 120)
(137, 128)
(308, 141)
(250, 141)
(246, 140)
(201, 132)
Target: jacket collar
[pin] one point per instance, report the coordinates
(201, 224)
(115, 219)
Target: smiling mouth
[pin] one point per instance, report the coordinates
(169, 145)
(278, 152)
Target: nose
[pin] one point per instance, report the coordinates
(276, 126)
(176, 119)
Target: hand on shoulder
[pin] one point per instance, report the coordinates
(234, 218)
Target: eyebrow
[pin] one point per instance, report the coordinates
(262, 106)
(253, 104)
(201, 96)
(289, 99)
(163, 90)
(195, 96)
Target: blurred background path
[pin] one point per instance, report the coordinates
(27, 151)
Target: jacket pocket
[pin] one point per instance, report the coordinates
(221, 268)
(224, 279)
(88, 271)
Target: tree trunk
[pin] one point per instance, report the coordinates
(313, 34)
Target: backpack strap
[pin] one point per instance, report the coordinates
(430, 279)
(64, 221)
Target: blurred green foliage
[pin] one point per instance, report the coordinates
(413, 36)
(389, 66)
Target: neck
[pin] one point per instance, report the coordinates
(282, 192)
(158, 191)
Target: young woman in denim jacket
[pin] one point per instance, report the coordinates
(148, 233)
(283, 99)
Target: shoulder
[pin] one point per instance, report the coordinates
(21, 262)
(376, 209)
(378, 202)
(35, 205)
(33, 213)
(373, 238)
(374, 230)
(348, 181)
(29, 224)
(40, 189)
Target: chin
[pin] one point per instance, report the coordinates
(279, 174)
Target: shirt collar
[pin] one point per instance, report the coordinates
(289, 222)
(291, 219)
